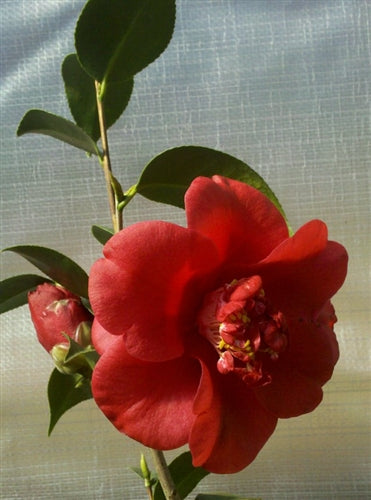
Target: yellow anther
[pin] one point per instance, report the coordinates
(221, 344)
(245, 318)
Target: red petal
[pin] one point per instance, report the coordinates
(290, 392)
(101, 339)
(305, 271)
(149, 286)
(243, 223)
(312, 347)
(231, 425)
(150, 402)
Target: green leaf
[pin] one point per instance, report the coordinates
(102, 234)
(222, 496)
(167, 177)
(57, 266)
(116, 39)
(184, 474)
(137, 471)
(64, 392)
(81, 96)
(14, 290)
(37, 121)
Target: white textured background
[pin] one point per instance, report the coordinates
(282, 85)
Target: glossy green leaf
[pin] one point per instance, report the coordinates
(37, 121)
(14, 290)
(102, 234)
(64, 392)
(57, 266)
(185, 476)
(222, 496)
(167, 177)
(81, 96)
(116, 39)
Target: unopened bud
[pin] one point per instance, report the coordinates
(56, 311)
(146, 474)
(83, 334)
(59, 354)
(77, 364)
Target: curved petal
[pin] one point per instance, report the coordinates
(149, 286)
(290, 393)
(243, 223)
(313, 347)
(306, 365)
(305, 271)
(231, 425)
(101, 338)
(150, 402)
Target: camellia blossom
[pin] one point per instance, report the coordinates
(55, 310)
(208, 334)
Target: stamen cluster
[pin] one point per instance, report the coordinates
(245, 330)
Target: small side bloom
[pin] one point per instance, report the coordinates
(55, 310)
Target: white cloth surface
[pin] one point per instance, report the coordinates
(280, 84)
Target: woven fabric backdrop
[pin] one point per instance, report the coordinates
(280, 84)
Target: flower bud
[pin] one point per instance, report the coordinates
(55, 310)
(83, 334)
(76, 364)
(146, 473)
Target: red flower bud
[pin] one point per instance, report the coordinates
(55, 310)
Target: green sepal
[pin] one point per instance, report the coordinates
(37, 121)
(75, 350)
(167, 177)
(57, 266)
(222, 496)
(64, 392)
(14, 290)
(115, 40)
(185, 476)
(102, 234)
(81, 95)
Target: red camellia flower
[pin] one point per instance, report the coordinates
(210, 333)
(55, 310)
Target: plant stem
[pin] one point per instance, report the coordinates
(150, 493)
(164, 476)
(162, 469)
(116, 215)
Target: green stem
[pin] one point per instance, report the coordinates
(116, 215)
(162, 469)
(164, 476)
(149, 492)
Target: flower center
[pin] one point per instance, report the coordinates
(244, 328)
